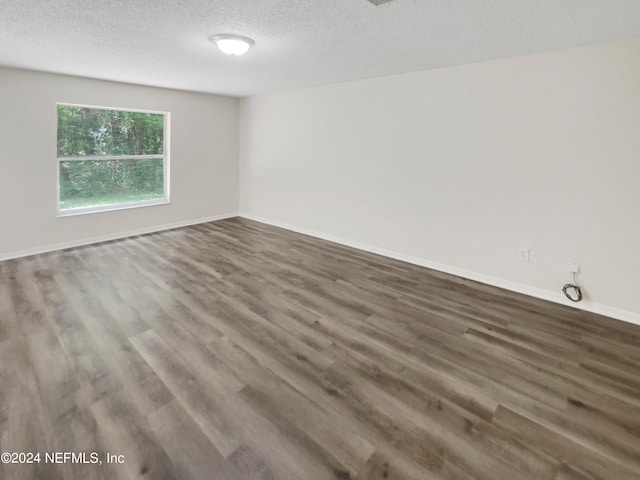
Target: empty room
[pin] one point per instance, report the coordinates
(320, 240)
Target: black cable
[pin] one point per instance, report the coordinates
(575, 288)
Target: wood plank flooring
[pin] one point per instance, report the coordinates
(238, 351)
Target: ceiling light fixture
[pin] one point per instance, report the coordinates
(232, 44)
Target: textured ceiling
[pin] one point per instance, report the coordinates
(299, 43)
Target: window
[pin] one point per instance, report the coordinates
(111, 159)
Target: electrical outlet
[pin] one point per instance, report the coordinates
(523, 254)
(574, 268)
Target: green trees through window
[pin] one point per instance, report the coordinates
(110, 158)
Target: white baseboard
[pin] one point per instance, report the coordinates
(112, 236)
(543, 294)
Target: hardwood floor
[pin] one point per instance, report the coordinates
(235, 350)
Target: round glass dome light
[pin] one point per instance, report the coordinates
(232, 44)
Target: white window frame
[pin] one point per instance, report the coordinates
(117, 206)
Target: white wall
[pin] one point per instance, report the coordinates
(462, 166)
(204, 159)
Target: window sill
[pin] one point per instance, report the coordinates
(72, 212)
